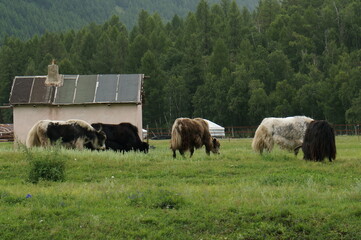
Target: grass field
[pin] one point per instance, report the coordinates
(235, 195)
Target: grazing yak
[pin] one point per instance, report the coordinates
(286, 132)
(188, 134)
(74, 134)
(319, 142)
(122, 137)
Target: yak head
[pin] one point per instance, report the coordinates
(215, 146)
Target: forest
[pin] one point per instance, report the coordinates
(25, 18)
(221, 62)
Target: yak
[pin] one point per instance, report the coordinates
(319, 142)
(188, 134)
(122, 137)
(286, 132)
(73, 133)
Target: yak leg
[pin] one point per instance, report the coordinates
(181, 152)
(79, 144)
(174, 153)
(297, 149)
(208, 152)
(208, 149)
(192, 151)
(45, 142)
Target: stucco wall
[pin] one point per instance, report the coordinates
(26, 116)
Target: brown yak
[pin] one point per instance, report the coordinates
(188, 134)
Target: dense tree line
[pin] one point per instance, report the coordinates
(25, 18)
(220, 62)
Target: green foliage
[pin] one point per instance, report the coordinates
(214, 59)
(177, 100)
(26, 18)
(258, 103)
(48, 170)
(219, 58)
(46, 166)
(354, 113)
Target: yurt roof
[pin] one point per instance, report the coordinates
(215, 129)
(214, 125)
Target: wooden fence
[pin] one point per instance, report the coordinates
(7, 131)
(248, 131)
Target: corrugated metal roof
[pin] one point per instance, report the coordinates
(65, 93)
(128, 84)
(106, 86)
(78, 89)
(85, 89)
(21, 90)
(41, 93)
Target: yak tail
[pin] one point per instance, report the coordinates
(262, 140)
(33, 139)
(176, 140)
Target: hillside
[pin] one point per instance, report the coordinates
(25, 18)
(226, 64)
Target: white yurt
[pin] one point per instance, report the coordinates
(145, 133)
(215, 129)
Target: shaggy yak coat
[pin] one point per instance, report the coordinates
(73, 133)
(319, 142)
(288, 133)
(189, 134)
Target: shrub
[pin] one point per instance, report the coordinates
(47, 169)
(46, 165)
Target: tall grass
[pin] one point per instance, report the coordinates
(235, 195)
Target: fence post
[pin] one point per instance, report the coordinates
(346, 130)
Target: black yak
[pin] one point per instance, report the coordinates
(122, 137)
(319, 142)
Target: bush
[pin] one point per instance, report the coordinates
(46, 165)
(47, 169)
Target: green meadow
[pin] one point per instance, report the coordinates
(235, 195)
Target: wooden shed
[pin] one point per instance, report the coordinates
(106, 98)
